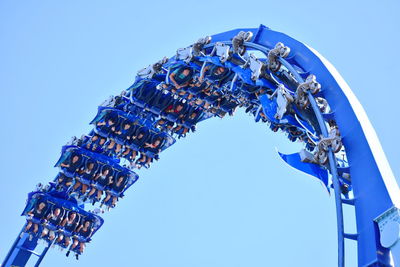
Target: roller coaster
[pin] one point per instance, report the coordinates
(282, 82)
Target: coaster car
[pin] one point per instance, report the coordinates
(99, 160)
(51, 203)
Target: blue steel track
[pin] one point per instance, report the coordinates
(371, 188)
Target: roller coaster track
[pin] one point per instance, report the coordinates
(283, 66)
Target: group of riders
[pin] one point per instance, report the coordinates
(87, 178)
(57, 225)
(122, 138)
(141, 122)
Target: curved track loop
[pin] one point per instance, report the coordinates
(283, 83)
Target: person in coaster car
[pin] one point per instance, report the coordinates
(38, 212)
(103, 179)
(63, 182)
(84, 231)
(73, 163)
(118, 187)
(181, 77)
(88, 172)
(54, 218)
(69, 225)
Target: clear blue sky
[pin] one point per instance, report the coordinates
(220, 197)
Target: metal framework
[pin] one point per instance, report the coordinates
(282, 82)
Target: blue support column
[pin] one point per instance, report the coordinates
(22, 250)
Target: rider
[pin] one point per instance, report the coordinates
(154, 147)
(103, 179)
(95, 141)
(215, 73)
(124, 134)
(52, 220)
(63, 182)
(87, 173)
(117, 186)
(69, 225)
(108, 123)
(181, 77)
(175, 109)
(35, 214)
(124, 131)
(74, 162)
(139, 137)
(129, 154)
(84, 231)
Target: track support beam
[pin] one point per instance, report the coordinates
(389, 229)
